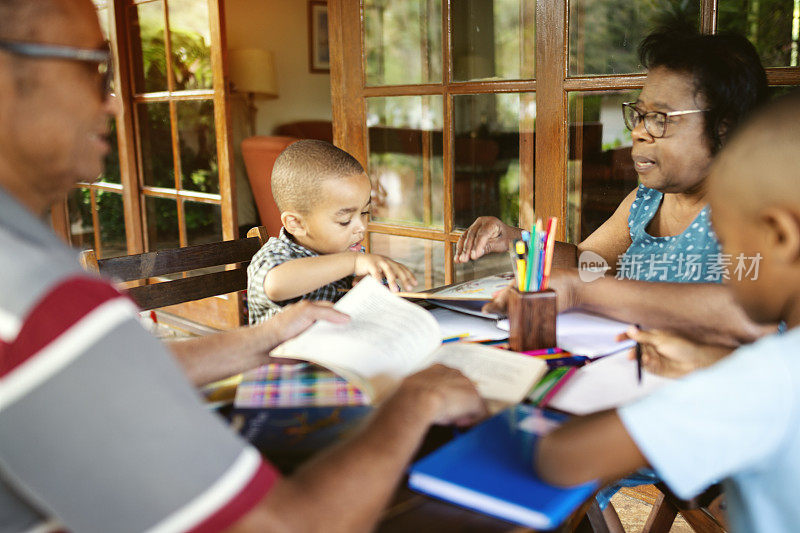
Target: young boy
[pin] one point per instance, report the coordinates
(738, 420)
(324, 197)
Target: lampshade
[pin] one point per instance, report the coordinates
(253, 71)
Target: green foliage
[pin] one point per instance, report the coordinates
(191, 63)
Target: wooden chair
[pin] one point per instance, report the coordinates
(138, 275)
(704, 513)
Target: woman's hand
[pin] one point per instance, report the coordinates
(485, 235)
(564, 281)
(673, 356)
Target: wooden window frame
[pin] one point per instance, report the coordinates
(552, 86)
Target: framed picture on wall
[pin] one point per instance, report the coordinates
(319, 59)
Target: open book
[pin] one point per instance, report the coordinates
(388, 338)
(467, 296)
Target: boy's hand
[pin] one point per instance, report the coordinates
(380, 267)
(673, 356)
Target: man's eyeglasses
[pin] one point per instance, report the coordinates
(655, 122)
(101, 57)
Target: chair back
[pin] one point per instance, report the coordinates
(142, 275)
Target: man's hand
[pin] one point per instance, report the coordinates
(673, 356)
(296, 318)
(454, 399)
(380, 267)
(485, 235)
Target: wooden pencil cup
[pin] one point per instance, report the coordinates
(532, 320)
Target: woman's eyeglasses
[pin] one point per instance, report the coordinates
(655, 122)
(100, 57)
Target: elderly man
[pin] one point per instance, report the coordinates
(99, 428)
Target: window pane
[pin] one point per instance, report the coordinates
(148, 50)
(486, 164)
(198, 145)
(405, 159)
(600, 171)
(203, 222)
(485, 266)
(604, 34)
(162, 223)
(423, 257)
(402, 41)
(190, 39)
(158, 169)
(111, 217)
(111, 172)
(493, 39)
(81, 226)
(767, 23)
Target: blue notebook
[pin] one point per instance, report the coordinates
(490, 469)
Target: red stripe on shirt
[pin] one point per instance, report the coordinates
(61, 308)
(238, 506)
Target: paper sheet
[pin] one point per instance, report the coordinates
(605, 384)
(586, 334)
(453, 323)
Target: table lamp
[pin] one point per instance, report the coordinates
(252, 72)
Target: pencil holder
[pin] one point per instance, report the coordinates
(532, 320)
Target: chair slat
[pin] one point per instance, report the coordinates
(188, 289)
(163, 262)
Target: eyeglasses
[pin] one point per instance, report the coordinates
(655, 122)
(101, 57)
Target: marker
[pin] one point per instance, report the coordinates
(549, 249)
(520, 262)
(454, 338)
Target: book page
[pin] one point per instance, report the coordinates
(498, 374)
(476, 289)
(385, 340)
(453, 323)
(605, 384)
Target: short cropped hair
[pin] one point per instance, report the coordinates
(725, 68)
(301, 168)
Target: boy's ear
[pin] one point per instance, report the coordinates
(783, 227)
(294, 223)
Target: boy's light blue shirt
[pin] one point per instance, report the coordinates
(738, 421)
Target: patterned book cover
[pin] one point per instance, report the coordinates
(290, 412)
(300, 385)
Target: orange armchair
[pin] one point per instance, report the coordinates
(259, 154)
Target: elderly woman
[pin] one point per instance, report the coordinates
(698, 88)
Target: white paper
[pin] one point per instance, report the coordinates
(586, 334)
(605, 384)
(452, 323)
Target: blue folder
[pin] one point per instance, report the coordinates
(490, 469)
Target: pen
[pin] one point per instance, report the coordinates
(638, 360)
